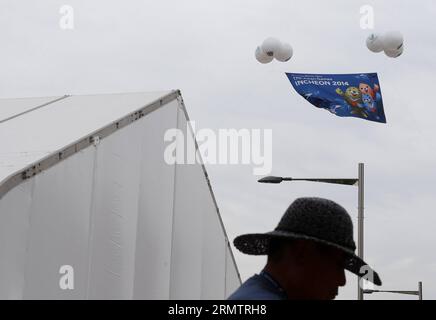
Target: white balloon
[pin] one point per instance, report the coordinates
(392, 40)
(394, 53)
(262, 57)
(271, 45)
(375, 42)
(284, 53)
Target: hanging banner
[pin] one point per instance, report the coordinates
(345, 95)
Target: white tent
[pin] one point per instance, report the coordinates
(83, 183)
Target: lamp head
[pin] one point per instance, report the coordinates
(270, 179)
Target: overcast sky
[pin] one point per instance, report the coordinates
(206, 49)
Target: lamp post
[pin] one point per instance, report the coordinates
(415, 293)
(360, 184)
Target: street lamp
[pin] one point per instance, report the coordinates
(415, 293)
(359, 181)
(271, 179)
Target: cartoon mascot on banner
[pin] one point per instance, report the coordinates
(362, 100)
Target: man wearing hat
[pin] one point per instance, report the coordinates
(308, 253)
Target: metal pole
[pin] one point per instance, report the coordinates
(420, 290)
(360, 224)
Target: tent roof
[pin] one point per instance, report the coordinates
(33, 128)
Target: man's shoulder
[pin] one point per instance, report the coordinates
(257, 288)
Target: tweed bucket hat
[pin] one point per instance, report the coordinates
(316, 219)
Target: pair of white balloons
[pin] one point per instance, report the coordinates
(273, 48)
(392, 43)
